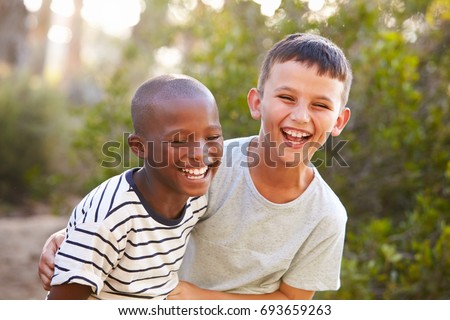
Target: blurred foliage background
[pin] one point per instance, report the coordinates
(66, 83)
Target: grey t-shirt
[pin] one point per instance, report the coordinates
(247, 244)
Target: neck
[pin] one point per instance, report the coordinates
(276, 181)
(167, 204)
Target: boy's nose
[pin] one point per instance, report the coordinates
(300, 113)
(198, 152)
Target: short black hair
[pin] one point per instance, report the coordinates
(165, 87)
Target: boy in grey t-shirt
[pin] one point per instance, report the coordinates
(247, 244)
(273, 229)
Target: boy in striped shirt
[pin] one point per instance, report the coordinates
(127, 237)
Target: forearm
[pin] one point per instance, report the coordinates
(72, 291)
(218, 295)
(188, 291)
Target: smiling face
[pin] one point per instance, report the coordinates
(298, 111)
(183, 146)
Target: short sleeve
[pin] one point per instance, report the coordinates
(87, 255)
(317, 265)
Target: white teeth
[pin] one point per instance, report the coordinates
(196, 173)
(296, 134)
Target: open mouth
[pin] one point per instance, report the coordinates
(195, 174)
(201, 172)
(295, 137)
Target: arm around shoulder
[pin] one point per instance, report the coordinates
(47, 258)
(188, 291)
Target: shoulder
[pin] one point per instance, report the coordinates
(233, 160)
(197, 205)
(115, 182)
(108, 195)
(327, 200)
(236, 146)
(235, 153)
(238, 141)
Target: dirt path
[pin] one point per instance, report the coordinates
(21, 240)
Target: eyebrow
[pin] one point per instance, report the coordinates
(215, 127)
(186, 131)
(324, 98)
(320, 97)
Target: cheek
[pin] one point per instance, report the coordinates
(178, 155)
(156, 155)
(213, 151)
(326, 123)
(214, 148)
(271, 117)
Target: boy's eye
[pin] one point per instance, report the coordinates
(179, 139)
(321, 105)
(178, 142)
(215, 137)
(284, 97)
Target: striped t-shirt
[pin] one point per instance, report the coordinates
(119, 246)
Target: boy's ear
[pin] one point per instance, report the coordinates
(341, 122)
(136, 145)
(254, 103)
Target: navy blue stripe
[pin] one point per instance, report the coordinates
(74, 214)
(78, 244)
(136, 292)
(60, 268)
(123, 294)
(80, 260)
(70, 280)
(162, 253)
(84, 213)
(159, 241)
(142, 279)
(145, 216)
(121, 205)
(148, 229)
(79, 229)
(202, 208)
(115, 193)
(150, 268)
(91, 197)
(139, 216)
(84, 206)
(101, 200)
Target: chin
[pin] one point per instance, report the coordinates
(197, 188)
(294, 159)
(197, 193)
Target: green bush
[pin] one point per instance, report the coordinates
(30, 135)
(399, 260)
(101, 143)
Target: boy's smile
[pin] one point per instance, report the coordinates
(195, 174)
(295, 138)
(298, 111)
